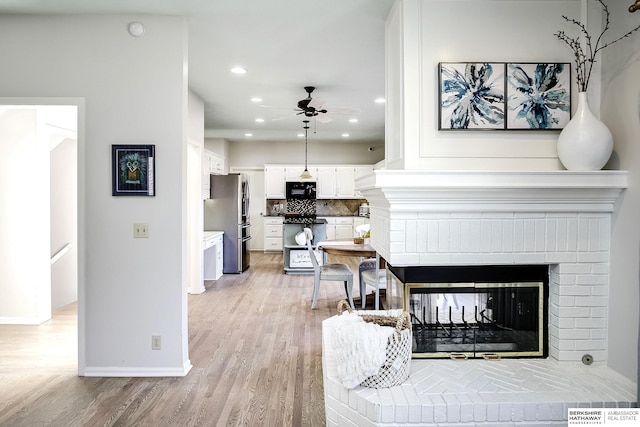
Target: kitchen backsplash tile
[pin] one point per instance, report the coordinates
(323, 207)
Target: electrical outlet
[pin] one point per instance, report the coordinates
(141, 230)
(156, 342)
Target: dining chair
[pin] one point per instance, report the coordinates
(366, 265)
(370, 274)
(330, 272)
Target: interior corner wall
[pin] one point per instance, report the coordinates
(195, 214)
(620, 111)
(135, 92)
(466, 31)
(64, 222)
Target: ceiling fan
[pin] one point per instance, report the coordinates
(313, 108)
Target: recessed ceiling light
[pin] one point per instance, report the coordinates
(300, 135)
(380, 100)
(259, 120)
(345, 135)
(256, 99)
(248, 134)
(239, 70)
(353, 120)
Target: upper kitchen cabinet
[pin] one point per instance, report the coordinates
(292, 173)
(345, 183)
(326, 187)
(212, 163)
(333, 182)
(359, 172)
(274, 182)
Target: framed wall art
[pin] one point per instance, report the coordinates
(471, 96)
(538, 95)
(133, 169)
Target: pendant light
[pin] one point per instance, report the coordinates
(305, 174)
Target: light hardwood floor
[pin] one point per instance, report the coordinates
(255, 346)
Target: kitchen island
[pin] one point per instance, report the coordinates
(296, 257)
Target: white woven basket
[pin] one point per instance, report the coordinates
(395, 369)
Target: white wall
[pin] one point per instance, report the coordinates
(257, 154)
(64, 222)
(134, 92)
(621, 112)
(195, 221)
(434, 31)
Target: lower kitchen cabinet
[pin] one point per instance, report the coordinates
(339, 227)
(212, 256)
(273, 233)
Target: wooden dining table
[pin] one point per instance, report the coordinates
(347, 248)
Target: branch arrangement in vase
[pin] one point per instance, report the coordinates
(585, 57)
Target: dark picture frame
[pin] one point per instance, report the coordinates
(471, 96)
(538, 95)
(133, 170)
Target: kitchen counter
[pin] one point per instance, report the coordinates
(210, 234)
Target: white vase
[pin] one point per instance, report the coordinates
(585, 143)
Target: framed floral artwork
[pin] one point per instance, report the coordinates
(538, 95)
(471, 96)
(133, 170)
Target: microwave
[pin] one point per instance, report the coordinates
(301, 190)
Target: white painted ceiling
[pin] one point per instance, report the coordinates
(335, 45)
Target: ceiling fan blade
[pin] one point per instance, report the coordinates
(283, 118)
(323, 118)
(316, 103)
(344, 111)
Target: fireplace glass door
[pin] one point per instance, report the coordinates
(490, 320)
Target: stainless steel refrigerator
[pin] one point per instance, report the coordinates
(228, 211)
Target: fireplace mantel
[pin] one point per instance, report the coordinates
(493, 191)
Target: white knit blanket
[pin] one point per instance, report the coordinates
(360, 348)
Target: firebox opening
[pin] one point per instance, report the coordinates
(475, 311)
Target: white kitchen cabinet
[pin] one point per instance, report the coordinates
(345, 182)
(344, 227)
(333, 182)
(292, 173)
(326, 187)
(360, 171)
(339, 227)
(218, 165)
(212, 257)
(212, 163)
(273, 226)
(331, 227)
(274, 182)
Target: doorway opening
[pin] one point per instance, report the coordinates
(39, 175)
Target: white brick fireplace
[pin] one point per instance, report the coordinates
(557, 218)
